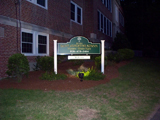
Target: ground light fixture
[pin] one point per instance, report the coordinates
(81, 76)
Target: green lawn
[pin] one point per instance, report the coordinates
(131, 96)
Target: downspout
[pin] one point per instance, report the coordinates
(20, 23)
(18, 17)
(16, 3)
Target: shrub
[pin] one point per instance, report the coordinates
(52, 76)
(93, 56)
(37, 66)
(92, 74)
(126, 53)
(115, 57)
(61, 58)
(98, 62)
(120, 42)
(18, 65)
(149, 52)
(46, 63)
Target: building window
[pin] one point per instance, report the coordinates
(34, 43)
(98, 20)
(76, 13)
(116, 13)
(104, 24)
(41, 3)
(121, 19)
(72, 12)
(42, 44)
(27, 42)
(108, 4)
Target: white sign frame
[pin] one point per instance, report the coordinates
(102, 56)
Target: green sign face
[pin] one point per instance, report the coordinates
(79, 45)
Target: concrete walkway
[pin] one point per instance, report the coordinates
(156, 115)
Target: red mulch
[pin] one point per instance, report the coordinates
(71, 83)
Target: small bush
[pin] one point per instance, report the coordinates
(120, 42)
(93, 56)
(98, 62)
(92, 74)
(61, 58)
(115, 57)
(46, 63)
(149, 52)
(52, 76)
(17, 66)
(126, 53)
(37, 65)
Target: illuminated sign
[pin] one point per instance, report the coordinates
(79, 45)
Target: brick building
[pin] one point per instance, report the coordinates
(30, 26)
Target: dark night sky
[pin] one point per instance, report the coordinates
(142, 23)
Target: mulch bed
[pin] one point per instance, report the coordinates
(71, 83)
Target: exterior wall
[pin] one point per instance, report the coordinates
(8, 8)
(52, 18)
(122, 28)
(91, 21)
(54, 21)
(117, 27)
(8, 45)
(101, 7)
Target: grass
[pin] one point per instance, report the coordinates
(131, 96)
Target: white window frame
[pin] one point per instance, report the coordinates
(116, 13)
(121, 19)
(108, 4)
(108, 28)
(35, 2)
(30, 32)
(76, 18)
(35, 43)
